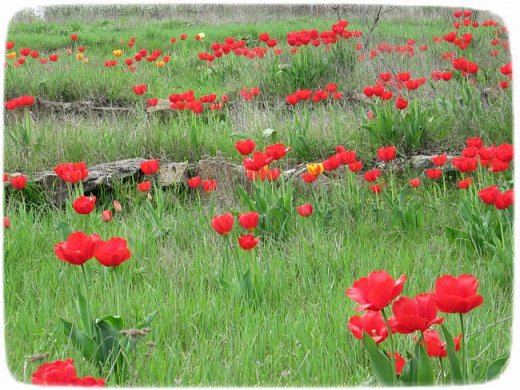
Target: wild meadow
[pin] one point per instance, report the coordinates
(357, 228)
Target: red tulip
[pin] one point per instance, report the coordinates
(139, 89)
(84, 204)
(434, 346)
(355, 166)
(276, 151)
(152, 102)
(416, 182)
(401, 103)
(371, 323)
(399, 362)
(463, 184)
(440, 160)
(248, 221)
(503, 201)
(248, 241)
(258, 161)
(223, 224)
(332, 163)
(144, 186)
(433, 174)
(113, 252)
(375, 188)
(19, 182)
(404, 76)
(308, 178)
(372, 175)
(376, 291)
(7, 223)
(58, 373)
(411, 314)
(89, 381)
(209, 185)
(498, 165)
(194, 182)
(150, 167)
(386, 153)
(347, 156)
(475, 142)
(457, 294)
(77, 249)
(486, 153)
(53, 57)
(6, 177)
(489, 195)
(464, 164)
(106, 216)
(9, 45)
(74, 37)
(470, 152)
(25, 51)
(72, 172)
(504, 152)
(305, 210)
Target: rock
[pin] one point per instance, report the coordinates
(101, 175)
(421, 163)
(300, 185)
(227, 175)
(172, 173)
(162, 105)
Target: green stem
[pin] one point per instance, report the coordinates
(392, 358)
(118, 291)
(87, 298)
(463, 348)
(442, 370)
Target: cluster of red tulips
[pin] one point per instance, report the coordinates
(238, 48)
(249, 93)
(377, 291)
(315, 96)
(63, 373)
(316, 38)
(257, 165)
(223, 224)
(22, 101)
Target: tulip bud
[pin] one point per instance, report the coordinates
(117, 207)
(106, 216)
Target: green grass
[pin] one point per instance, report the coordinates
(209, 334)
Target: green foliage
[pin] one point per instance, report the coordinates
(274, 204)
(407, 129)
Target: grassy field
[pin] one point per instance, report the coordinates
(293, 332)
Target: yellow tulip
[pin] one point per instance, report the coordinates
(85, 60)
(118, 53)
(315, 169)
(79, 56)
(11, 55)
(160, 64)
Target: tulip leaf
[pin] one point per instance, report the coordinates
(65, 230)
(495, 368)
(424, 367)
(80, 340)
(409, 373)
(269, 132)
(115, 322)
(381, 364)
(84, 313)
(456, 371)
(147, 321)
(108, 341)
